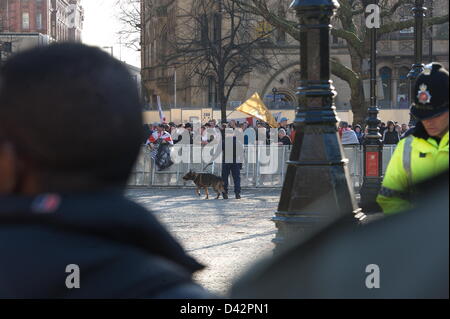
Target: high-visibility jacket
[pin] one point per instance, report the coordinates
(414, 160)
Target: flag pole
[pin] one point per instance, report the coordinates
(161, 114)
(175, 89)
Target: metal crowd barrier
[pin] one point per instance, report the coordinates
(256, 173)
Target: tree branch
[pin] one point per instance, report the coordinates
(400, 25)
(351, 38)
(344, 73)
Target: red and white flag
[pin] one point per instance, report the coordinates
(251, 121)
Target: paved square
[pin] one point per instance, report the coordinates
(227, 236)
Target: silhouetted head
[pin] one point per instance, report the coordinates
(70, 120)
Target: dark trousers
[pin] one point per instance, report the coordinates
(235, 170)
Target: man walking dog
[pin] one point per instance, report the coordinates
(232, 159)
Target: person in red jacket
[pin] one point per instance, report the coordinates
(293, 132)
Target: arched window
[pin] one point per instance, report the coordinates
(288, 99)
(386, 83)
(403, 88)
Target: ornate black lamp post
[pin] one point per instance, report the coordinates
(317, 188)
(430, 35)
(417, 67)
(373, 145)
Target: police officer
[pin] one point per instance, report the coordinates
(424, 152)
(232, 158)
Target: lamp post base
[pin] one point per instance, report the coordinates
(373, 161)
(369, 192)
(292, 228)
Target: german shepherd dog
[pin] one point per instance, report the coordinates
(205, 180)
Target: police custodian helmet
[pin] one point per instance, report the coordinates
(430, 92)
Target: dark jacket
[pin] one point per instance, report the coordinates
(238, 149)
(121, 249)
(286, 140)
(411, 250)
(163, 159)
(390, 138)
(360, 137)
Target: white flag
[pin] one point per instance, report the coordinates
(162, 118)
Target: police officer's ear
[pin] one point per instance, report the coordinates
(8, 168)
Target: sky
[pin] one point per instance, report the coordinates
(100, 29)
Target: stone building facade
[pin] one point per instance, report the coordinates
(176, 89)
(62, 20)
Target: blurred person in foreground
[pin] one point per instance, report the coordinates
(424, 152)
(62, 182)
(409, 252)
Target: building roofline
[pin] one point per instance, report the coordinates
(24, 34)
(135, 68)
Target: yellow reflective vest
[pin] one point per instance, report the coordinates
(414, 160)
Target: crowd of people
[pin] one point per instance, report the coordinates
(171, 133)
(160, 136)
(391, 133)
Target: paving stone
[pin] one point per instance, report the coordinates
(227, 236)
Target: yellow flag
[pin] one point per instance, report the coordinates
(255, 107)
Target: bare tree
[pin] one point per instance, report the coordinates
(348, 25)
(220, 41)
(214, 39)
(129, 15)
